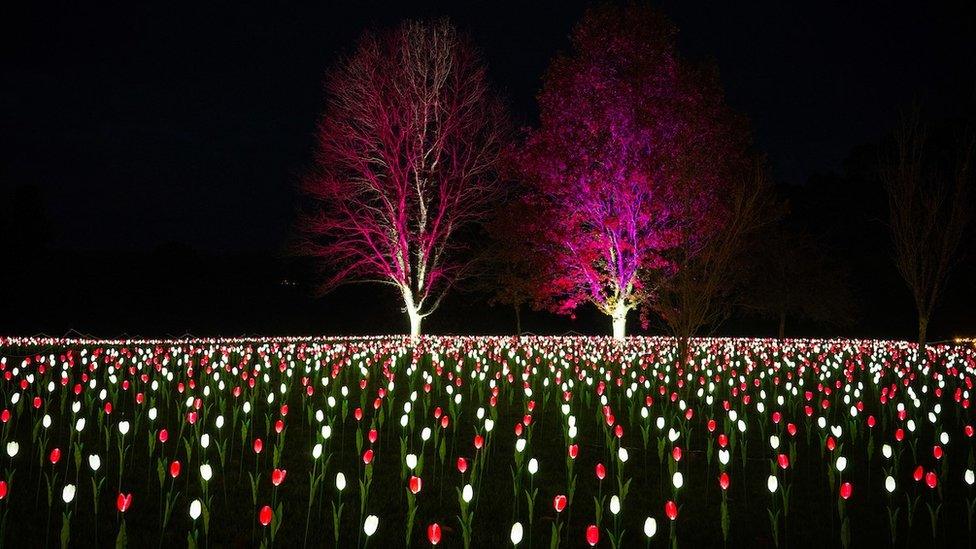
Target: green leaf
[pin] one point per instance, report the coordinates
(121, 541)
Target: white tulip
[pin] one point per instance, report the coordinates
(467, 493)
(12, 448)
(340, 482)
(678, 480)
(841, 464)
(650, 527)
(206, 472)
(533, 466)
(890, 484)
(68, 493)
(94, 462)
(622, 455)
(317, 450)
(772, 483)
(369, 527)
(969, 477)
(124, 428)
(615, 504)
(195, 509)
(516, 535)
(411, 461)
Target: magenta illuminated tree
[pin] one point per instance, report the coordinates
(407, 150)
(630, 158)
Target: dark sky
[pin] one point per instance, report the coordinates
(191, 123)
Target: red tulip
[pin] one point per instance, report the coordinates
(462, 465)
(479, 441)
(279, 426)
(918, 474)
(671, 510)
(55, 455)
(601, 471)
(676, 453)
(937, 451)
(784, 461)
(265, 515)
(845, 490)
(434, 533)
(372, 436)
(573, 451)
(723, 440)
(278, 476)
(368, 456)
(559, 503)
(415, 485)
(174, 469)
(931, 480)
(723, 480)
(123, 502)
(592, 535)
(163, 436)
(258, 446)
(3, 489)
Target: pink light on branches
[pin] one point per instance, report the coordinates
(631, 154)
(406, 158)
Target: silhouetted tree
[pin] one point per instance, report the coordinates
(407, 151)
(703, 286)
(927, 187)
(511, 273)
(792, 277)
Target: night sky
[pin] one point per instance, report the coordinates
(189, 125)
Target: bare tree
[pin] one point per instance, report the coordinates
(927, 200)
(407, 151)
(701, 290)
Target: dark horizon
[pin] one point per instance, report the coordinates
(152, 153)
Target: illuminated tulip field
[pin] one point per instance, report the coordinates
(485, 442)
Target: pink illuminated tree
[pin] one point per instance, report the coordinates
(630, 159)
(406, 155)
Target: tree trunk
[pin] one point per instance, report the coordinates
(414, 323)
(413, 313)
(683, 350)
(782, 324)
(923, 328)
(619, 317)
(518, 319)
